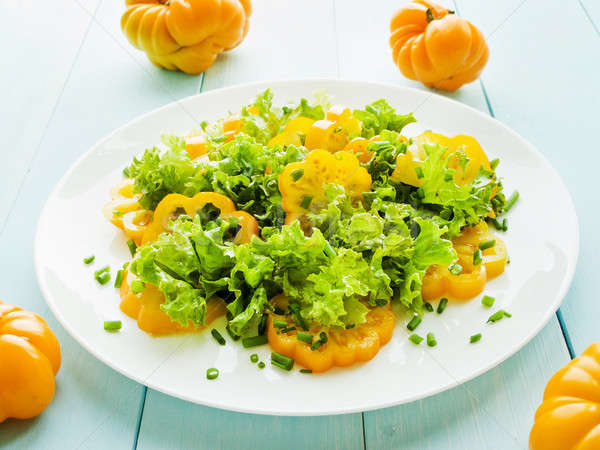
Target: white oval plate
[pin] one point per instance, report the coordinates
(542, 244)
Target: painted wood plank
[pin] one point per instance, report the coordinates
(37, 60)
(494, 411)
(94, 406)
(277, 47)
(452, 419)
(173, 424)
(553, 103)
(287, 40)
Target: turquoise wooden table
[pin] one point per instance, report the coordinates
(70, 78)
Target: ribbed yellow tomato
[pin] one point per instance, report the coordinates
(569, 416)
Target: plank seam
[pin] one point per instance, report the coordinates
(49, 121)
(565, 333)
(589, 17)
(138, 425)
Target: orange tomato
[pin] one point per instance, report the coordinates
(569, 416)
(173, 204)
(332, 134)
(29, 360)
(343, 347)
(196, 145)
(145, 309)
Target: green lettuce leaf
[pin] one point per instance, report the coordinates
(379, 116)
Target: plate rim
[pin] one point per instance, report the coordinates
(455, 382)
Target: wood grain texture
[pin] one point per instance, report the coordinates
(94, 406)
(37, 61)
(494, 411)
(552, 102)
(287, 40)
(174, 424)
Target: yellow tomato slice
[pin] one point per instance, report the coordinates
(145, 309)
(173, 205)
(343, 348)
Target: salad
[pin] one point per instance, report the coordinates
(309, 226)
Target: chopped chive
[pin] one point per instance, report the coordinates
(428, 306)
(414, 323)
(287, 330)
(316, 345)
(442, 305)
(455, 269)
(511, 201)
(212, 373)
(329, 251)
(477, 259)
(499, 226)
(137, 286)
(218, 337)
(420, 193)
(323, 337)
(119, 278)
(431, 342)
(494, 163)
(279, 311)
(415, 339)
(132, 247)
(282, 361)
(297, 174)
(254, 341)
(350, 326)
(102, 276)
(475, 338)
(448, 176)
(117, 213)
(89, 259)
(254, 357)
(487, 244)
(279, 323)
(419, 173)
(305, 337)
(112, 325)
(488, 301)
(305, 371)
(233, 336)
(498, 315)
(262, 324)
(298, 316)
(305, 203)
(261, 365)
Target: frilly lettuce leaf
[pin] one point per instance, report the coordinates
(379, 116)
